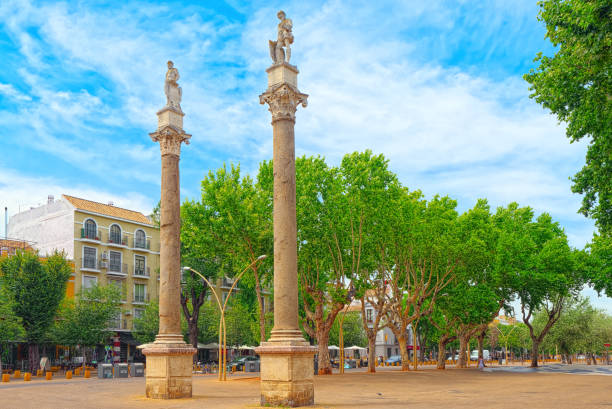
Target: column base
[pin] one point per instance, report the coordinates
(169, 368)
(287, 373)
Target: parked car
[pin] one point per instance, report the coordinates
(239, 363)
(393, 359)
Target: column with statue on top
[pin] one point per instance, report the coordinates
(287, 360)
(169, 358)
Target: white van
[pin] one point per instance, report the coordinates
(474, 355)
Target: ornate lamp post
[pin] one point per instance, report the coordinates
(222, 307)
(286, 359)
(169, 358)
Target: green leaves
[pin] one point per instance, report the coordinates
(576, 86)
(88, 322)
(36, 287)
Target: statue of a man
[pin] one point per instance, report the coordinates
(171, 87)
(280, 50)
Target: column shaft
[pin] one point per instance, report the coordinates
(285, 234)
(170, 252)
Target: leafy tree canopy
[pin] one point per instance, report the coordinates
(576, 86)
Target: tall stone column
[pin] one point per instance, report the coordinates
(169, 358)
(287, 364)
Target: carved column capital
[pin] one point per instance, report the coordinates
(170, 139)
(283, 100)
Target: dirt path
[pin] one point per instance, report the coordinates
(454, 388)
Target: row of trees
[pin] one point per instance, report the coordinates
(364, 236)
(34, 307)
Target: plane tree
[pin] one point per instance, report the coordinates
(424, 256)
(37, 286)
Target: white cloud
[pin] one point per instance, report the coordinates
(10, 91)
(20, 192)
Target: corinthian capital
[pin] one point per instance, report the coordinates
(283, 100)
(170, 139)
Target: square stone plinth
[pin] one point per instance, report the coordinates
(168, 373)
(282, 73)
(286, 375)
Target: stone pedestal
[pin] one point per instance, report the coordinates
(287, 364)
(169, 358)
(287, 373)
(169, 368)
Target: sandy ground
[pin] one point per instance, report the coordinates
(390, 389)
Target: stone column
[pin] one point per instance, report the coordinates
(286, 359)
(169, 358)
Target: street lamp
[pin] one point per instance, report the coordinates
(506, 337)
(222, 329)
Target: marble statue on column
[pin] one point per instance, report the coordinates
(280, 50)
(172, 89)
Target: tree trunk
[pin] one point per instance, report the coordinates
(422, 342)
(262, 313)
(463, 341)
(372, 353)
(480, 340)
(33, 357)
(324, 363)
(441, 354)
(193, 336)
(534, 353)
(404, 353)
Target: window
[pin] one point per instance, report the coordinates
(369, 315)
(115, 234)
(140, 291)
(139, 265)
(115, 322)
(119, 285)
(140, 240)
(89, 282)
(115, 261)
(91, 230)
(89, 257)
(138, 313)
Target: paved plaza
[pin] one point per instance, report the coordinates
(554, 386)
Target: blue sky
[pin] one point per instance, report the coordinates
(436, 86)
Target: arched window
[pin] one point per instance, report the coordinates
(91, 230)
(115, 234)
(140, 240)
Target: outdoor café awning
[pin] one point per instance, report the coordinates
(212, 345)
(355, 347)
(333, 347)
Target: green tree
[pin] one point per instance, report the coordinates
(576, 86)
(424, 258)
(232, 222)
(352, 331)
(87, 322)
(37, 287)
(600, 263)
(546, 273)
(11, 329)
(146, 327)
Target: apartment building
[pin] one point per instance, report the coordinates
(108, 244)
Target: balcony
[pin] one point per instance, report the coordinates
(117, 269)
(140, 272)
(142, 244)
(117, 240)
(90, 264)
(227, 282)
(140, 299)
(118, 324)
(89, 235)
